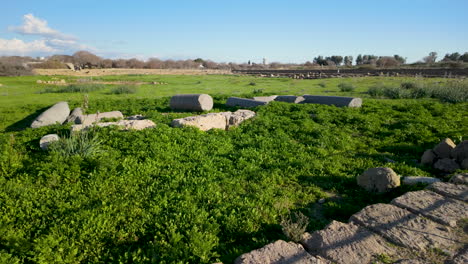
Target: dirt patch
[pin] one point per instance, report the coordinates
(102, 72)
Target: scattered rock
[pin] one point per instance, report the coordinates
(136, 117)
(333, 100)
(47, 140)
(457, 191)
(243, 102)
(266, 99)
(191, 102)
(378, 180)
(122, 124)
(223, 120)
(289, 99)
(239, 116)
(460, 152)
(428, 157)
(404, 228)
(58, 113)
(444, 148)
(441, 209)
(93, 118)
(75, 116)
(447, 165)
(276, 253)
(413, 180)
(461, 178)
(346, 243)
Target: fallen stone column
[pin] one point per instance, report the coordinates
(191, 102)
(92, 118)
(243, 102)
(265, 98)
(333, 100)
(75, 115)
(289, 99)
(58, 113)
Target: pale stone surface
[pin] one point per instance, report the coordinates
(47, 140)
(75, 115)
(191, 102)
(441, 209)
(289, 99)
(122, 124)
(333, 100)
(378, 180)
(457, 191)
(444, 148)
(265, 98)
(346, 243)
(413, 180)
(243, 102)
(58, 113)
(460, 152)
(93, 118)
(428, 157)
(404, 228)
(223, 120)
(279, 252)
(447, 165)
(461, 178)
(239, 116)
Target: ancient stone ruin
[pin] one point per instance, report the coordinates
(223, 120)
(58, 113)
(447, 156)
(192, 102)
(339, 101)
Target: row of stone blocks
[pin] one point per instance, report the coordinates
(409, 230)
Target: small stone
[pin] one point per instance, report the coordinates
(47, 140)
(460, 152)
(122, 124)
(461, 178)
(413, 180)
(378, 180)
(428, 157)
(447, 165)
(444, 148)
(321, 201)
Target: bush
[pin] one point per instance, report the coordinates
(346, 87)
(322, 84)
(75, 88)
(79, 144)
(408, 85)
(376, 91)
(124, 89)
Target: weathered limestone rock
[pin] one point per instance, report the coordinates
(122, 124)
(447, 165)
(444, 148)
(434, 206)
(277, 253)
(290, 99)
(93, 118)
(223, 120)
(457, 191)
(428, 157)
(413, 180)
(461, 178)
(378, 180)
(404, 228)
(75, 116)
(460, 152)
(333, 100)
(239, 116)
(58, 113)
(191, 102)
(346, 243)
(243, 102)
(47, 140)
(266, 99)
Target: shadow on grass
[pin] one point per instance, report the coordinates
(25, 122)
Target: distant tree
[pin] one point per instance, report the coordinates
(199, 60)
(320, 60)
(62, 58)
(400, 59)
(359, 59)
(348, 60)
(387, 61)
(120, 63)
(431, 58)
(86, 59)
(452, 57)
(135, 64)
(106, 63)
(336, 59)
(464, 57)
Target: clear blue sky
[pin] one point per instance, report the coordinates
(286, 31)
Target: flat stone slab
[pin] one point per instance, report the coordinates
(413, 180)
(439, 208)
(457, 191)
(244, 102)
(94, 118)
(122, 124)
(279, 252)
(347, 243)
(405, 228)
(339, 101)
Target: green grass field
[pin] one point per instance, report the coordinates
(171, 195)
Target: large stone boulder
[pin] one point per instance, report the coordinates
(58, 113)
(444, 148)
(47, 140)
(122, 124)
(339, 101)
(447, 165)
(460, 152)
(290, 99)
(94, 118)
(75, 116)
(223, 120)
(191, 102)
(428, 157)
(378, 180)
(243, 102)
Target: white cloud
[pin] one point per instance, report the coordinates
(21, 48)
(35, 26)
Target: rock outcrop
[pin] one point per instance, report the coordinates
(57, 114)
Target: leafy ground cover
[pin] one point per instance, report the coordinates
(168, 195)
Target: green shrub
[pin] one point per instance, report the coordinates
(409, 85)
(322, 84)
(75, 88)
(124, 89)
(376, 91)
(346, 87)
(252, 83)
(79, 143)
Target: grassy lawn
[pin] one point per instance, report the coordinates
(168, 195)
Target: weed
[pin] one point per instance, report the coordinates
(257, 91)
(346, 87)
(75, 88)
(294, 226)
(124, 89)
(79, 143)
(322, 84)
